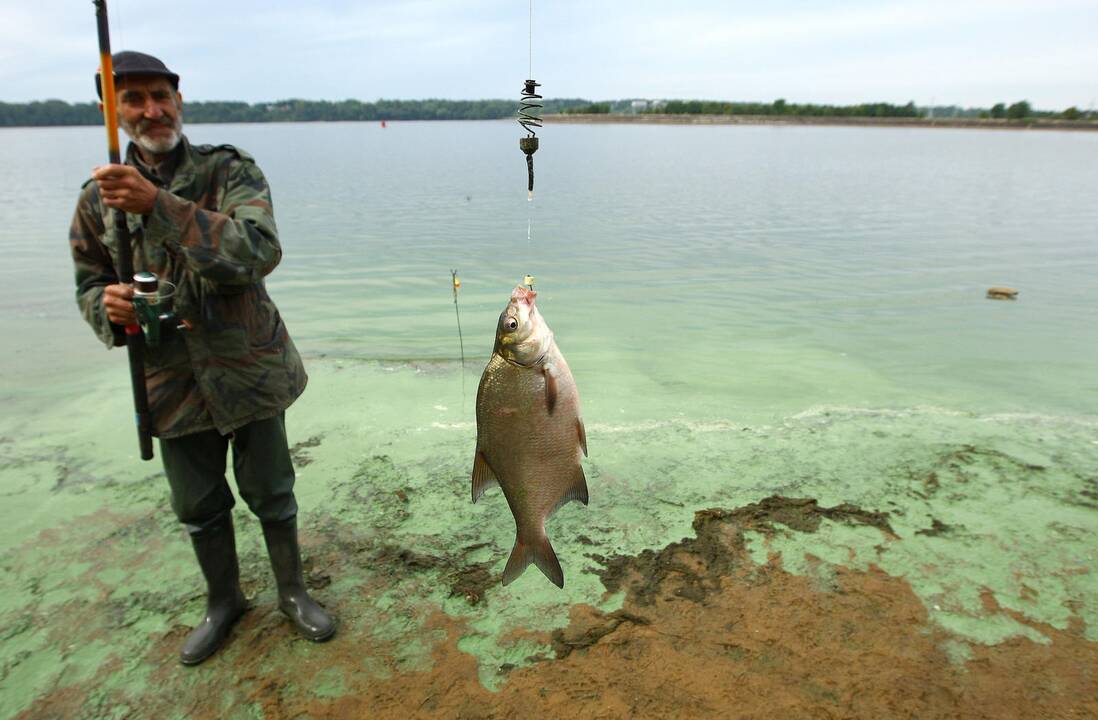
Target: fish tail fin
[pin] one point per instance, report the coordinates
(540, 553)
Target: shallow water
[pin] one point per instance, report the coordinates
(747, 311)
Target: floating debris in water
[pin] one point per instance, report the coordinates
(1002, 293)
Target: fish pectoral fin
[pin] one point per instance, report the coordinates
(484, 478)
(550, 388)
(540, 553)
(576, 491)
(582, 432)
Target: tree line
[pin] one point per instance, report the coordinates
(781, 107)
(1020, 110)
(58, 112)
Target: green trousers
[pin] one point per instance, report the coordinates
(195, 465)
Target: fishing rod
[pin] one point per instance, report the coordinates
(135, 340)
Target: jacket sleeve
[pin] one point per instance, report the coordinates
(237, 244)
(93, 267)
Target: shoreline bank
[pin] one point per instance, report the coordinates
(686, 119)
(967, 123)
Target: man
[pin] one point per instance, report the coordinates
(200, 217)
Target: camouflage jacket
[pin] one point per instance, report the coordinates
(211, 233)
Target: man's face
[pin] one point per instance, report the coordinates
(150, 111)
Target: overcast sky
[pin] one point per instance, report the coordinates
(964, 52)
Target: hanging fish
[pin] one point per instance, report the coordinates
(529, 433)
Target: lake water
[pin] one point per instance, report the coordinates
(747, 311)
(711, 271)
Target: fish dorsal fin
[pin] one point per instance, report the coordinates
(538, 552)
(550, 387)
(582, 432)
(484, 478)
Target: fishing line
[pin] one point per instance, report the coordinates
(461, 340)
(529, 118)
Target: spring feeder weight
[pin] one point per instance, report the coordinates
(529, 119)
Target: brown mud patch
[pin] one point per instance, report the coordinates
(465, 580)
(298, 452)
(695, 567)
(704, 632)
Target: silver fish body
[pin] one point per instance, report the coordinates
(530, 435)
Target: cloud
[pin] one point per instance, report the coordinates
(965, 51)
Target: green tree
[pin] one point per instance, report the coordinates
(1072, 113)
(998, 110)
(1019, 110)
(592, 109)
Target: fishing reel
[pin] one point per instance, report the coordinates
(152, 301)
(530, 119)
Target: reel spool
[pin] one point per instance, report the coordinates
(152, 301)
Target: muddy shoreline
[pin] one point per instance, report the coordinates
(860, 563)
(704, 631)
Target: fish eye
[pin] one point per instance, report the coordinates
(511, 324)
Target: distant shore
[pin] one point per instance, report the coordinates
(690, 119)
(680, 119)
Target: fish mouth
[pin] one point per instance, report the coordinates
(521, 294)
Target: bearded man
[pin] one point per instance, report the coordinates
(225, 371)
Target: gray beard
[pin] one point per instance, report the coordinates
(156, 147)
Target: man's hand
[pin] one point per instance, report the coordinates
(118, 302)
(121, 186)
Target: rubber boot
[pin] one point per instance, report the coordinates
(216, 551)
(310, 619)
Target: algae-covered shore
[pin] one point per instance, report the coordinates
(839, 563)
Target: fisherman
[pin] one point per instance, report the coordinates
(224, 372)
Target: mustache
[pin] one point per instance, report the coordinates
(147, 123)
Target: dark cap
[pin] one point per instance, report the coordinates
(130, 62)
